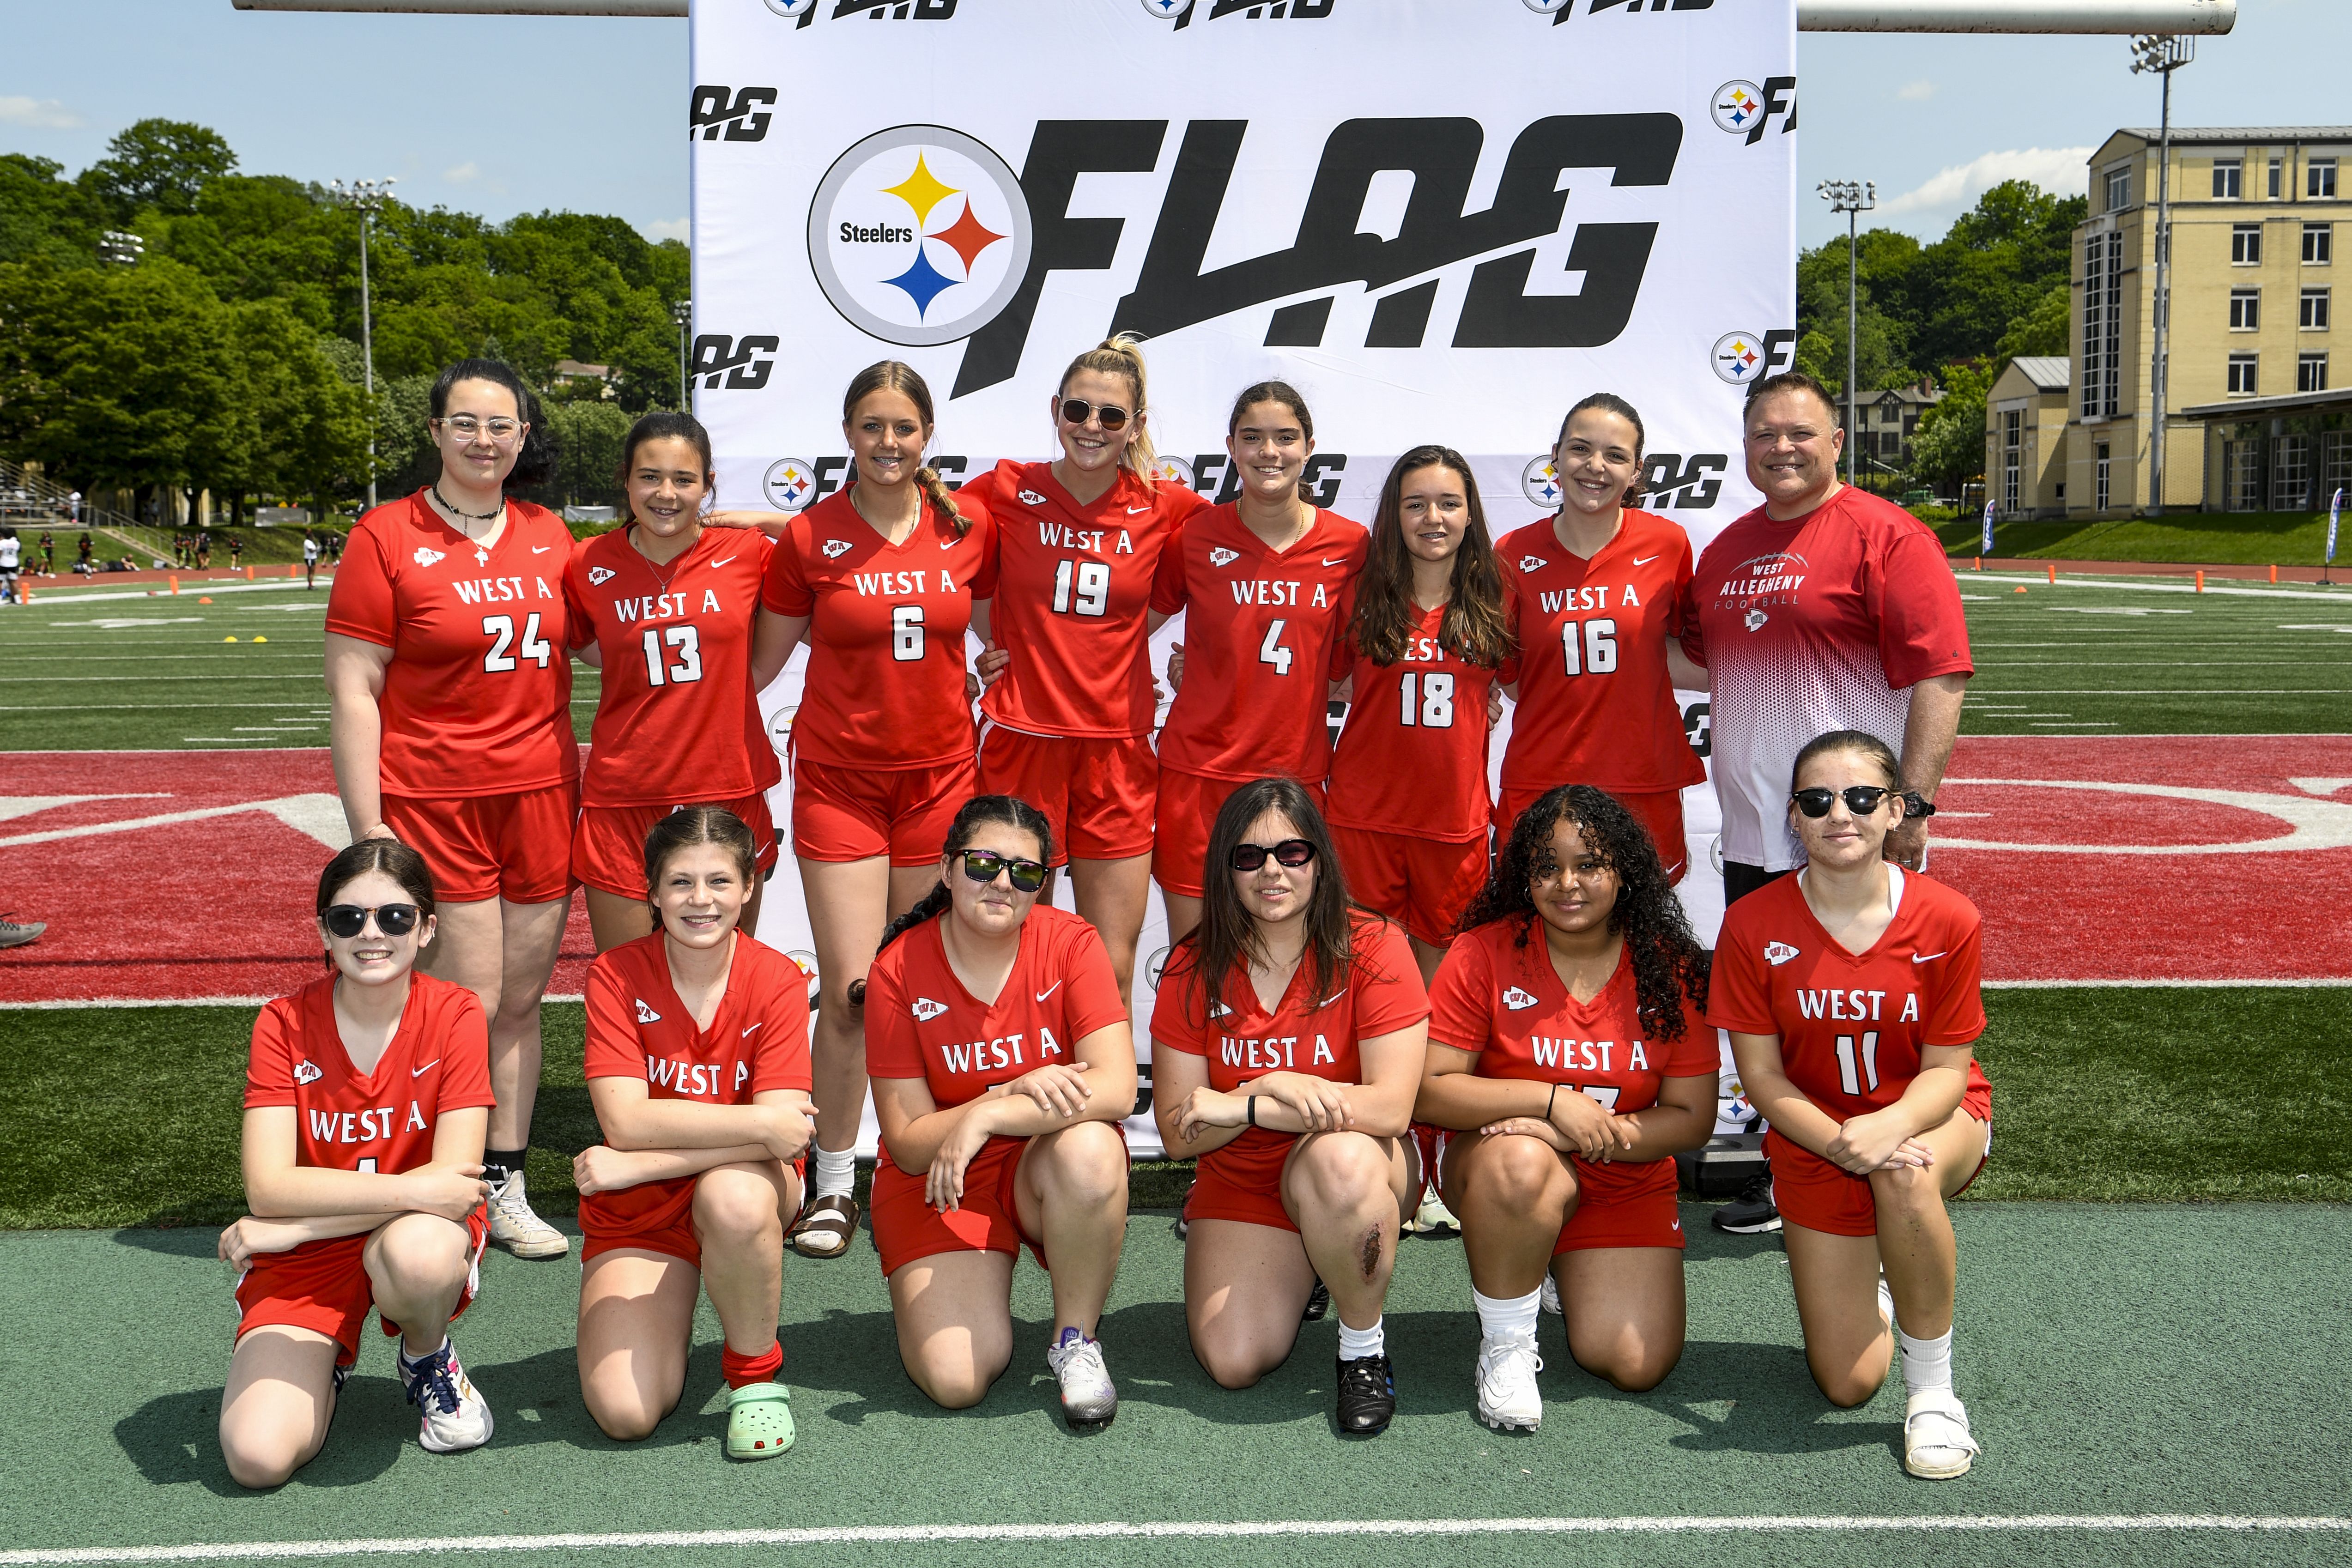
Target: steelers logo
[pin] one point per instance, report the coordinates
(789, 483)
(1164, 9)
(792, 10)
(1539, 483)
(1547, 7)
(1735, 105)
(918, 235)
(1176, 471)
(1739, 358)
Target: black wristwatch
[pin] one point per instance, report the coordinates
(1914, 804)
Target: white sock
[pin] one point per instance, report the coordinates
(1927, 1363)
(836, 1172)
(408, 1361)
(1885, 1302)
(1357, 1344)
(1508, 1317)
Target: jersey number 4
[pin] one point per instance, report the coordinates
(1849, 1079)
(1589, 645)
(688, 643)
(1433, 706)
(1093, 580)
(536, 648)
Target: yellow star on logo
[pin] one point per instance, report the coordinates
(920, 190)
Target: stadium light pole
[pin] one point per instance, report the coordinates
(121, 248)
(683, 314)
(1853, 198)
(367, 198)
(2163, 54)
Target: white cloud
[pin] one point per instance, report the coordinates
(669, 228)
(463, 174)
(45, 113)
(1918, 91)
(2059, 170)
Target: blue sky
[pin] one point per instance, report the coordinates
(500, 115)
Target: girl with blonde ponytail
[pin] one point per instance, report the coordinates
(883, 578)
(1068, 715)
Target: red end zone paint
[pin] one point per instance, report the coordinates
(174, 874)
(2153, 858)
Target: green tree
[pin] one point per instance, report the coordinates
(588, 437)
(41, 215)
(1949, 445)
(159, 164)
(2046, 329)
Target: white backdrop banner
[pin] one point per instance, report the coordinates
(1441, 220)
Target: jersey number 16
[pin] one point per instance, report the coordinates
(1589, 645)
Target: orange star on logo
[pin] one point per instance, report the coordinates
(967, 236)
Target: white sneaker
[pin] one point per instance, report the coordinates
(1433, 1217)
(1089, 1401)
(1551, 1296)
(1508, 1399)
(1937, 1445)
(457, 1416)
(516, 1227)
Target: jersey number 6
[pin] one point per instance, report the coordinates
(906, 633)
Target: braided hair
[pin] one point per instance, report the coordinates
(1669, 964)
(897, 376)
(980, 812)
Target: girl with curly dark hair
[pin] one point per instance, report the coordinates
(1570, 1058)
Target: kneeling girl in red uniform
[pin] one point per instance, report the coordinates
(1002, 1064)
(1851, 993)
(1293, 1027)
(366, 1101)
(698, 1070)
(1569, 1056)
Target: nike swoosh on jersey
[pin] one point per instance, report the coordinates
(1643, 559)
(1049, 990)
(1341, 561)
(1144, 508)
(716, 564)
(540, 549)
(421, 1071)
(1923, 958)
(749, 1031)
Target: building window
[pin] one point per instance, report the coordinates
(2319, 243)
(2243, 378)
(2225, 179)
(2102, 472)
(2103, 298)
(2241, 475)
(2012, 425)
(2334, 463)
(2314, 310)
(2278, 170)
(2245, 310)
(2290, 472)
(2310, 372)
(2245, 245)
(2319, 178)
(2118, 189)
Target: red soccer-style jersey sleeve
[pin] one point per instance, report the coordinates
(382, 1121)
(1412, 756)
(1259, 628)
(1074, 583)
(1460, 994)
(1382, 995)
(477, 698)
(756, 1040)
(885, 686)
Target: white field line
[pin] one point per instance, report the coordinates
(188, 591)
(935, 1534)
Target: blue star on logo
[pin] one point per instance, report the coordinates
(922, 282)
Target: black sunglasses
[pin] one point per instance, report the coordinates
(1075, 411)
(1862, 800)
(1292, 853)
(983, 865)
(348, 920)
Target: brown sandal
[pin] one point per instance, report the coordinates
(827, 1227)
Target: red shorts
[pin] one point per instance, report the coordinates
(324, 1286)
(516, 847)
(856, 813)
(1617, 1206)
(1243, 1181)
(652, 1217)
(1659, 811)
(608, 842)
(1187, 810)
(1811, 1192)
(1422, 884)
(906, 1227)
(1097, 792)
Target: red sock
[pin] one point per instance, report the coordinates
(741, 1371)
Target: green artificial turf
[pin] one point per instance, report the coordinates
(2192, 539)
(2103, 1092)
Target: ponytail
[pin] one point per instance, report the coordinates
(1121, 354)
(978, 812)
(936, 488)
(897, 375)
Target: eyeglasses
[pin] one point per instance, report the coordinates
(1862, 800)
(465, 426)
(984, 866)
(1075, 411)
(348, 920)
(1291, 853)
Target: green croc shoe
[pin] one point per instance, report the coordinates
(759, 1421)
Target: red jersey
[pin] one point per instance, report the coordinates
(1595, 704)
(1851, 1025)
(1508, 1003)
(1811, 625)
(885, 685)
(478, 698)
(1259, 628)
(381, 1122)
(1412, 757)
(758, 1040)
(1073, 584)
(677, 720)
(920, 1021)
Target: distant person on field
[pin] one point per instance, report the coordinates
(48, 554)
(12, 552)
(81, 562)
(1824, 609)
(236, 550)
(205, 550)
(309, 560)
(334, 547)
(366, 1099)
(73, 510)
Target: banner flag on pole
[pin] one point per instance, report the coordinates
(1988, 529)
(2334, 513)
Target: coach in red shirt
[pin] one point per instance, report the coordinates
(1826, 608)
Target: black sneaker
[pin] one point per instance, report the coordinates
(1751, 1213)
(1366, 1396)
(1318, 1302)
